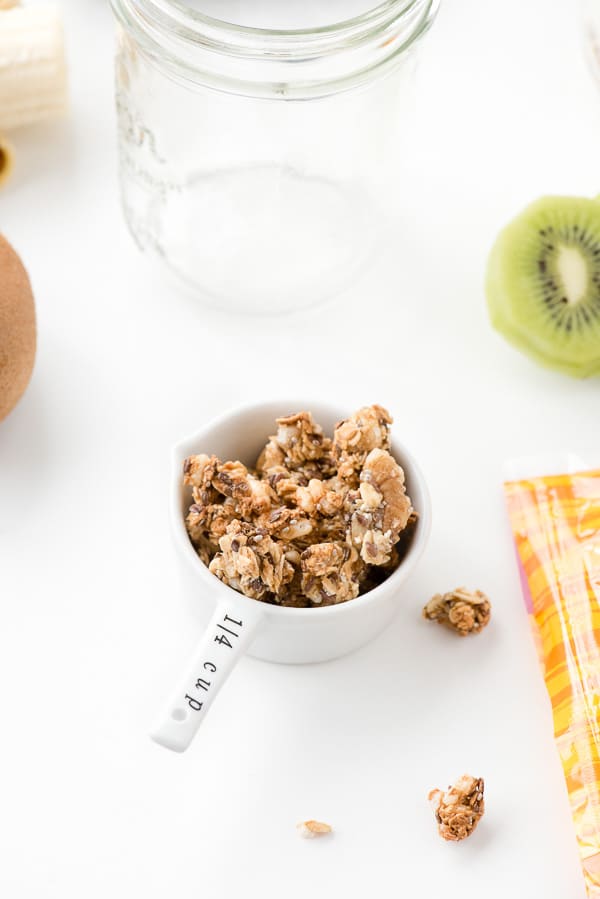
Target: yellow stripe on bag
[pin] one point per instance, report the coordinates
(556, 527)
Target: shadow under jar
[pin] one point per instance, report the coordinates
(255, 158)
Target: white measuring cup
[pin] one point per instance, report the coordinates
(240, 624)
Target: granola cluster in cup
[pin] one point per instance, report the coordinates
(318, 521)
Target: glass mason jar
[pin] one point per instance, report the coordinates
(255, 161)
(591, 23)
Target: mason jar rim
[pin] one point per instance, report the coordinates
(174, 31)
(187, 17)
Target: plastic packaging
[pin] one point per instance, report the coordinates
(555, 520)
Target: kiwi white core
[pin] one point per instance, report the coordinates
(573, 271)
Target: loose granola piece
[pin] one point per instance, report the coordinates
(380, 510)
(355, 437)
(311, 829)
(299, 440)
(463, 611)
(251, 562)
(331, 573)
(459, 810)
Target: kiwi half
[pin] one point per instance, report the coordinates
(543, 283)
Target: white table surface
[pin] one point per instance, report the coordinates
(94, 628)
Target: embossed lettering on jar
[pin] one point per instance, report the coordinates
(255, 154)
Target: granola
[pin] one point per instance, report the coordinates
(463, 611)
(317, 522)
(206, 523)
(310, 829)
(331, 573)
(355, 437)
(251, 562)
(290, 525)
(459, 810)
(298, 445)
(381, 509)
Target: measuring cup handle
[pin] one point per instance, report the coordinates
(232, 628)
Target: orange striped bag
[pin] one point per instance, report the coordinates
(556, 526)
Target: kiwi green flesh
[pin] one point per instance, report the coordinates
(543, 283)
(575, 370)
(525, 341)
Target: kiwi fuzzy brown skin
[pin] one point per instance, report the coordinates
(17, 329)
(527, 299)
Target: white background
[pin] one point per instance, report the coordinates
(93, 627)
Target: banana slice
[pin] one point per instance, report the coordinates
(33, 69)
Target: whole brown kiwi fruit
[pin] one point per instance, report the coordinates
(17, 328)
